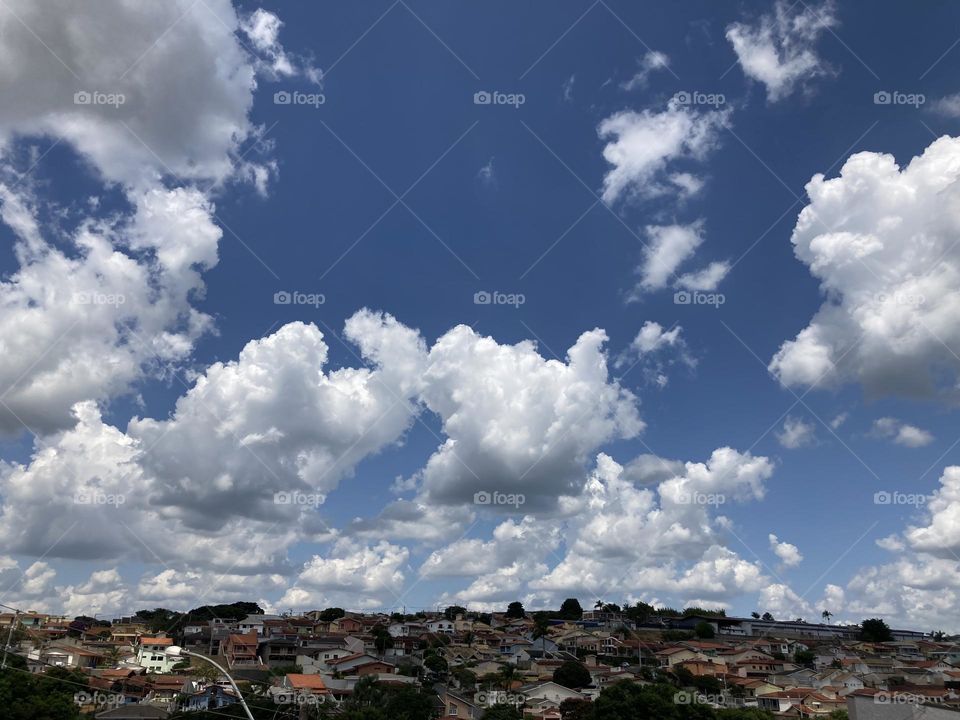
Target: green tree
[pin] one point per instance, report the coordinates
(875, 630)
(767, 616)
(451, 612)
(572, 675)
(576, 709)
(50, 696)
(804, 657)
(704, 630)
(515, 610)
(331, 614)
(570, 609)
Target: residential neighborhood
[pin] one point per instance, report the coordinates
(452, 664)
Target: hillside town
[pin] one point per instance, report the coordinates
(571, 664)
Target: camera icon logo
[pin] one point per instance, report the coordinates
(282, 97)
(82, 98)
(882, 98)
(482, 298)
(282, 298)
(682, 97)
(482, 498)
(482, 97)
(882, 498)
(283, 498)
(682, 297)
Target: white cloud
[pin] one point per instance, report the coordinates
(780, 49)
(670, 246)
(651, 62)
(796, 433)
(568, 88)
(948, 106)
(655, 349)
(85, 323)
(186, 82)
(351, 575)
(789, 554)
(207, 478)
(901, 433)
(664, 539)
(644, 146)
(881, 241)
(516, 422)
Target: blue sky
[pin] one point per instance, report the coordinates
(636, 151)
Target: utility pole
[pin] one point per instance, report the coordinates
(6, 645)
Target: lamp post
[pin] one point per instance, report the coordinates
(177, 651)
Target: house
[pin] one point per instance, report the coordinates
(441, 626)
(151, 654)
(211, 697)
(241, 650)
(457, 707)
(277, 652)
(69, 656)
(804, 699)
(551, 691)
(301, 685)
(361, 664)
(346, 625)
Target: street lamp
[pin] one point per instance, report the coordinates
(177, 651)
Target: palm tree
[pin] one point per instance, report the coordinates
(826, 615)
(507, 674)
(598, 605)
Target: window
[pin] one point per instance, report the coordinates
(453, 710)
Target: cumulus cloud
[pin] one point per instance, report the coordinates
(789, 554)
(796, 433)
(901, 433)
(185, 79)
(351, 575)
(881, 241)
(85, 322)
(644, 149)
(516, 422)
(664, 538)
(248, 453)
(165, 102)
(779, 49)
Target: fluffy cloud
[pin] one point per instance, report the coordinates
(789, 554)
(796, 433)
(351, 575)
(881, 241)
(167, 102)
(901, 433)
(247, 455)
(779, 50)
(84, 323)
(185, 80)
(620, 536)
(644, 148)
(516, 422)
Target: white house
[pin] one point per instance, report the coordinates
(151, 654)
